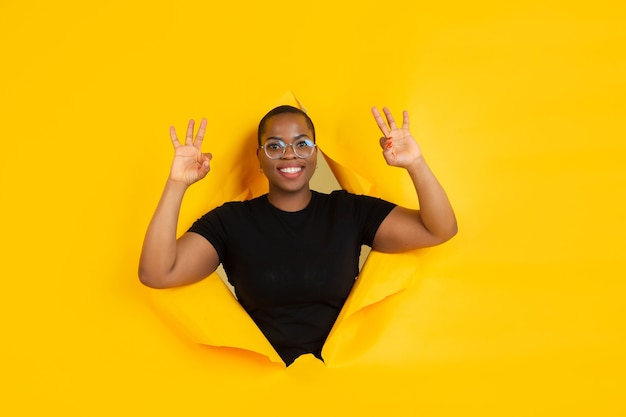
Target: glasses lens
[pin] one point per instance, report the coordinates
(303, 148)
(274, 149)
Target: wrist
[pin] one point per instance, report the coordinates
(175, 185)
(418, 164)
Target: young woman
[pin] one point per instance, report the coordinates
(292, 254)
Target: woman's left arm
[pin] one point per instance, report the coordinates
(405, 229)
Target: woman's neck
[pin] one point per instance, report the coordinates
(290, 201)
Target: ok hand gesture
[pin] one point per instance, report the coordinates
(399, 147)
(190, 164)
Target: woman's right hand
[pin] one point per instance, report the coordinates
(190, 164)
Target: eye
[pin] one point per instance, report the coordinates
(304, 143)
(274, 146)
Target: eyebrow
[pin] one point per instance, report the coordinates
(300, 136)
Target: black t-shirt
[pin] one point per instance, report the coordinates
(292, 271)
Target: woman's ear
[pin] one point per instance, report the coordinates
(259, 158)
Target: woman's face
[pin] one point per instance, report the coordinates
(289, 173)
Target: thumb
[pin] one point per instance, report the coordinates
(206, 164)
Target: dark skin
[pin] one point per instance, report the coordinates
(290, 175)
(169, 262)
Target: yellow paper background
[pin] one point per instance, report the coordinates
(518, 107)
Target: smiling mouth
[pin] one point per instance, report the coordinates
(291, 170)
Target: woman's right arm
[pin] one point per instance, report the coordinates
(166, 261)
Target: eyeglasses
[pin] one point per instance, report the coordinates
(275, 149)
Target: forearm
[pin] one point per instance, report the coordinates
(158, 255)
(436, 212)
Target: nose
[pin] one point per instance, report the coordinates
(289, 152)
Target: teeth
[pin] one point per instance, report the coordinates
(291, 170)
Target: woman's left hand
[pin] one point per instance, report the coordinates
(399, 148)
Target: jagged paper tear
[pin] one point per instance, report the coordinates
(210, 314)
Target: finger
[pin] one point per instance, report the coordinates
(386, 143)
(205, 158)
(390, 120)
(200, 135)
(174, 138)
(380, 122)
(189, 137)
(405, 119)
(206, 165)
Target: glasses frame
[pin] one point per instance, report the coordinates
(295, 152)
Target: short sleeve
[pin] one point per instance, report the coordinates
(369, 211)
(211, 226)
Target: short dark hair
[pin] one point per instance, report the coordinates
(280, 110)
